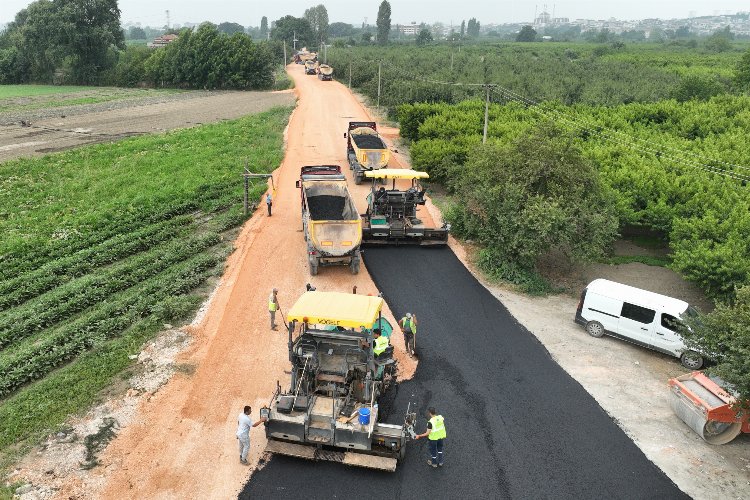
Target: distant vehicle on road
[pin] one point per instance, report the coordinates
(325, 72)
(644, 318)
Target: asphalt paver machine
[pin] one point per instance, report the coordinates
(330, 409)
(391, 216)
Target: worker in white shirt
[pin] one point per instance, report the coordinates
(244, 423)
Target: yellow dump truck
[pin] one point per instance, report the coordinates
(325, 72)
(311, 67)
(365, 150)
(330, 221)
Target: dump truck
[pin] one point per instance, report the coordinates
(330, 221)
(708, 408)
(311, 67)
(391, 216)
(330, 410)
(365, 150)
(325, 72)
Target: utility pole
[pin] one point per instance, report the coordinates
(350, 75)
(285, 59)
(379, 65)
(295, 41)
(451, 62)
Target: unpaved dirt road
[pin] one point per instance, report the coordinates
(106, 122)
(181, 443)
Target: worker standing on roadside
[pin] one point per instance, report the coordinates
(273, 306)
(408, 326)
(436, 436)
(244, 423)
(269, 202)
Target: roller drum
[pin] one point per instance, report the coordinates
(695, 418)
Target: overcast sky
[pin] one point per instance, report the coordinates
(249, 12)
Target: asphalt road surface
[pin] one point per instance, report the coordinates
(518, 425)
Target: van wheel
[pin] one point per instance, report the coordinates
(595, 329)
(691, 360)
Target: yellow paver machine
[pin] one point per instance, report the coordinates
(330, 409)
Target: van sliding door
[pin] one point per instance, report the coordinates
(636, 324)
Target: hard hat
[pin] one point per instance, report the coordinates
(275, 290)
(408, 315)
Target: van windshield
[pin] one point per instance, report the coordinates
(690, 312)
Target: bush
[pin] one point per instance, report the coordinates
(521, 200)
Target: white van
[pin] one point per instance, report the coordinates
(638, 316)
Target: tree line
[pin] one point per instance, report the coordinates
(82, 42)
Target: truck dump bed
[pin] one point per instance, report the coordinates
(331, 222)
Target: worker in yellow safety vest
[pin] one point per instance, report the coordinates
(273, 306)
(380, 343)
(436, 435)
(408, 326)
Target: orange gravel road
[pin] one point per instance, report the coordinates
(182, 444)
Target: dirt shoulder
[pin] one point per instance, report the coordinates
(48, 130)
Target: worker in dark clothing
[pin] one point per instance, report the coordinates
(269, 202)
(436, 435)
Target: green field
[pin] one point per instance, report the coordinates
(8, 91)
(31, 97)
(104, 244)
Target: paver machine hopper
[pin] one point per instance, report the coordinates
(391, 216)
(330, 409)
(712, 412)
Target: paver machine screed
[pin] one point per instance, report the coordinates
(330, 409)
(365, 150)
(391, 216)
(330, 221)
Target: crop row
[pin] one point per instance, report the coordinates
(22, 288)
(38, 255)
(76, 296)
(105, 322)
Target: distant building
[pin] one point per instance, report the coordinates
(162, 41)
(409, 29)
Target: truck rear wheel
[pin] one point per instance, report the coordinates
(358, 178)
(354, 265)
(313, 266)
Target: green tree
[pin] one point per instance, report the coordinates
(472, 28)
(88, 30)
(340, 29)
(527, 34)
(725, 333)
(318, 18)
(384, 22)
(520, 201)
(264, 27)
(742, 71)
(136, 33)
(367, 37)
(697, 87)
(230, 28)
(720, 41)
(463, 29)
(288, 26)
(424, 37)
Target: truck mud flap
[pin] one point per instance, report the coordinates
(345, 457)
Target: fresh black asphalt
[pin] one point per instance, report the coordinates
(518, 425)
